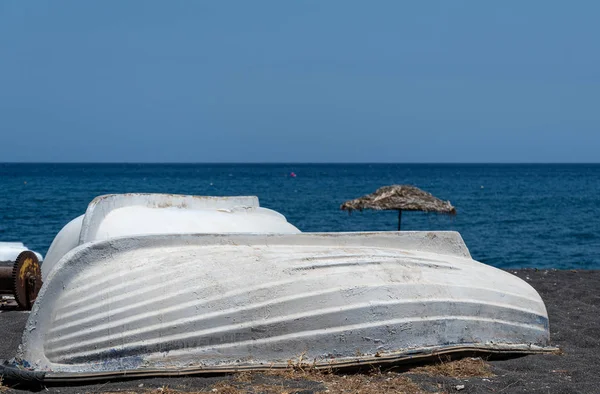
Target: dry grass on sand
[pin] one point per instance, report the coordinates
(464, 368)
(275, 383)
(294, 380)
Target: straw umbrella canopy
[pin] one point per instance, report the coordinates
(400, 198)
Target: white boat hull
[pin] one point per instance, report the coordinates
(226, 301)
(9, 251)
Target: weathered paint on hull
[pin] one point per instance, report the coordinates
(221, 301)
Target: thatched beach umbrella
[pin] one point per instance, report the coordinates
(400, 198)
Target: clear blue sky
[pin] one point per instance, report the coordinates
(305, 81)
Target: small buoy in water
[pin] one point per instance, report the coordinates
(482, 186)
(293, 174)
(25, 182)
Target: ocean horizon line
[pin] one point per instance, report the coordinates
(292, 163)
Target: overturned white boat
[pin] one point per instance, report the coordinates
(147, 284)
(9, 251)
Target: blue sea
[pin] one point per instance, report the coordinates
(510, 216)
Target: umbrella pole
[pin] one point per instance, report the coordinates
(399, 218)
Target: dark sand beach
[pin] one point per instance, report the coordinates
(572, 299)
